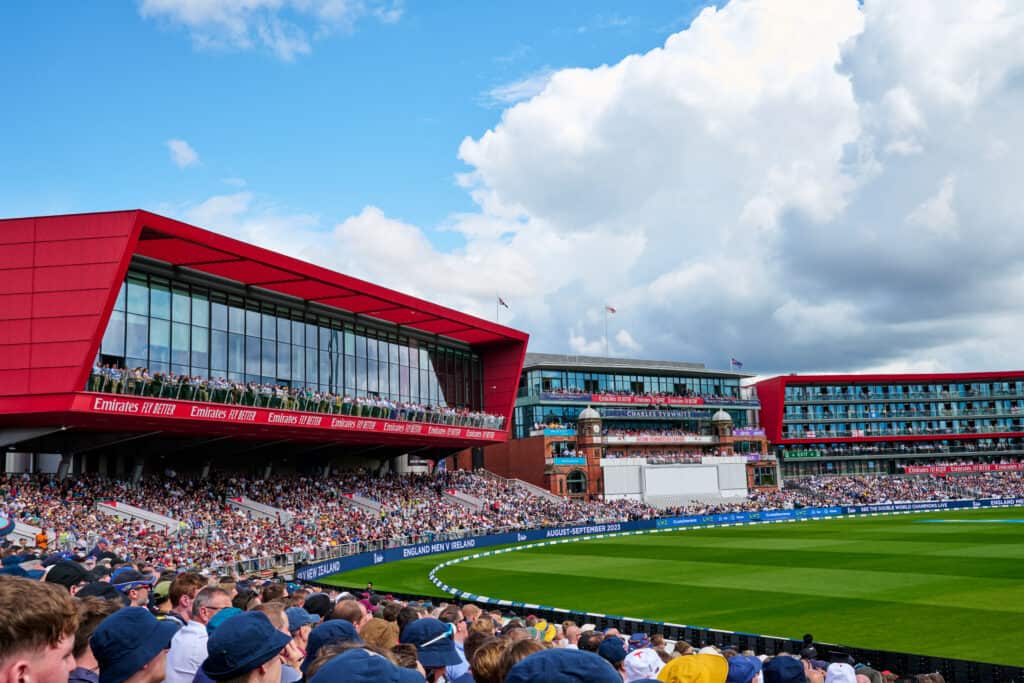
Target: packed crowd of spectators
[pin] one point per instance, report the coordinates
(110, 621)
(321, 519)
(139, 382)
(657, 456)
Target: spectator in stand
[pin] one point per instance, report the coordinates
(134, 585)
(183, 593)
(613, 651)
(91, 612)
(189, 647)
(300, 623)
(131, 645)
(38, 622)
(352, 611)
(360, 665)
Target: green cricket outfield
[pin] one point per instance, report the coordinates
(947, 584)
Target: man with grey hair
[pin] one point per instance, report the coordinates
(188, 647)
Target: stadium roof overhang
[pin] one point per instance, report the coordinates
(184, 246)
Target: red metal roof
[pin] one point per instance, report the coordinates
(187, 246)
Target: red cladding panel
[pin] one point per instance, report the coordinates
(14, 306)
(58, 380)
(179, 252)
(15, 255)
(15, 331)
(67, 328)
(76, 252)
(15, 281)
(502, 365)
(58, 278)
(17, 230)
(58, 354)
(73, 278)
(15, 356)
(13, 382)
(58, 304)
(84, 226)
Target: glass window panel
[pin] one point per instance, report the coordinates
(350, 343)
(392, 352)
(236, 354)
(200, 355)
(361, 376)
(298, 333)
(326, 378)
(269, 326)
(371, 349)
(138, 296)
(310, 336)
(159, 341)
(181, 306)
(113, 338)
(122, 297)
(311, 366)
(137, 345)
(179, 344)
(219, 316)
(236, 319)
(160, 301)
(252, 356)
(252, 323)
(201, 310)
(414, 385)
(179, 369)
(218, 350)
(284, 330)
(350, 373)
(298, 366)
(269, 357)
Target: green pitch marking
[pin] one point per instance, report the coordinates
(887, 582)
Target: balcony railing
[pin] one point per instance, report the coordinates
(904, 414)
(262, 396)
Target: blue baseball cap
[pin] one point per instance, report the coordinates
(335, 631)
(126, 578)
(563, 666)
(742, 669)
(613, 649)
(241, 644)
(363, 666)
(783, 669)
(127, 640)
(434, 642)
(298, 617)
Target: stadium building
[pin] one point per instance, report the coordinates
(666, 432)
(130, 341)
(884, 424)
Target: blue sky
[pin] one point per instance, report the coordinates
(824, 186)
(372, 115)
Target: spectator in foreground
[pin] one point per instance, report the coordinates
(702, 668)
(642, 664)
(91, 613)
(246, 649)
(783, 669)
(131, 645)
(562, 666)
(434, 646)
(188, 649)
(361, 666)
(37, 631)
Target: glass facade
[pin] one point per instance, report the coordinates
(169, 326)
(863, 410)
(535, 382)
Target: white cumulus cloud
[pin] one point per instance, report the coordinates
(828, 185)
(182, 153)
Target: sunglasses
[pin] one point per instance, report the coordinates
(448, 633)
